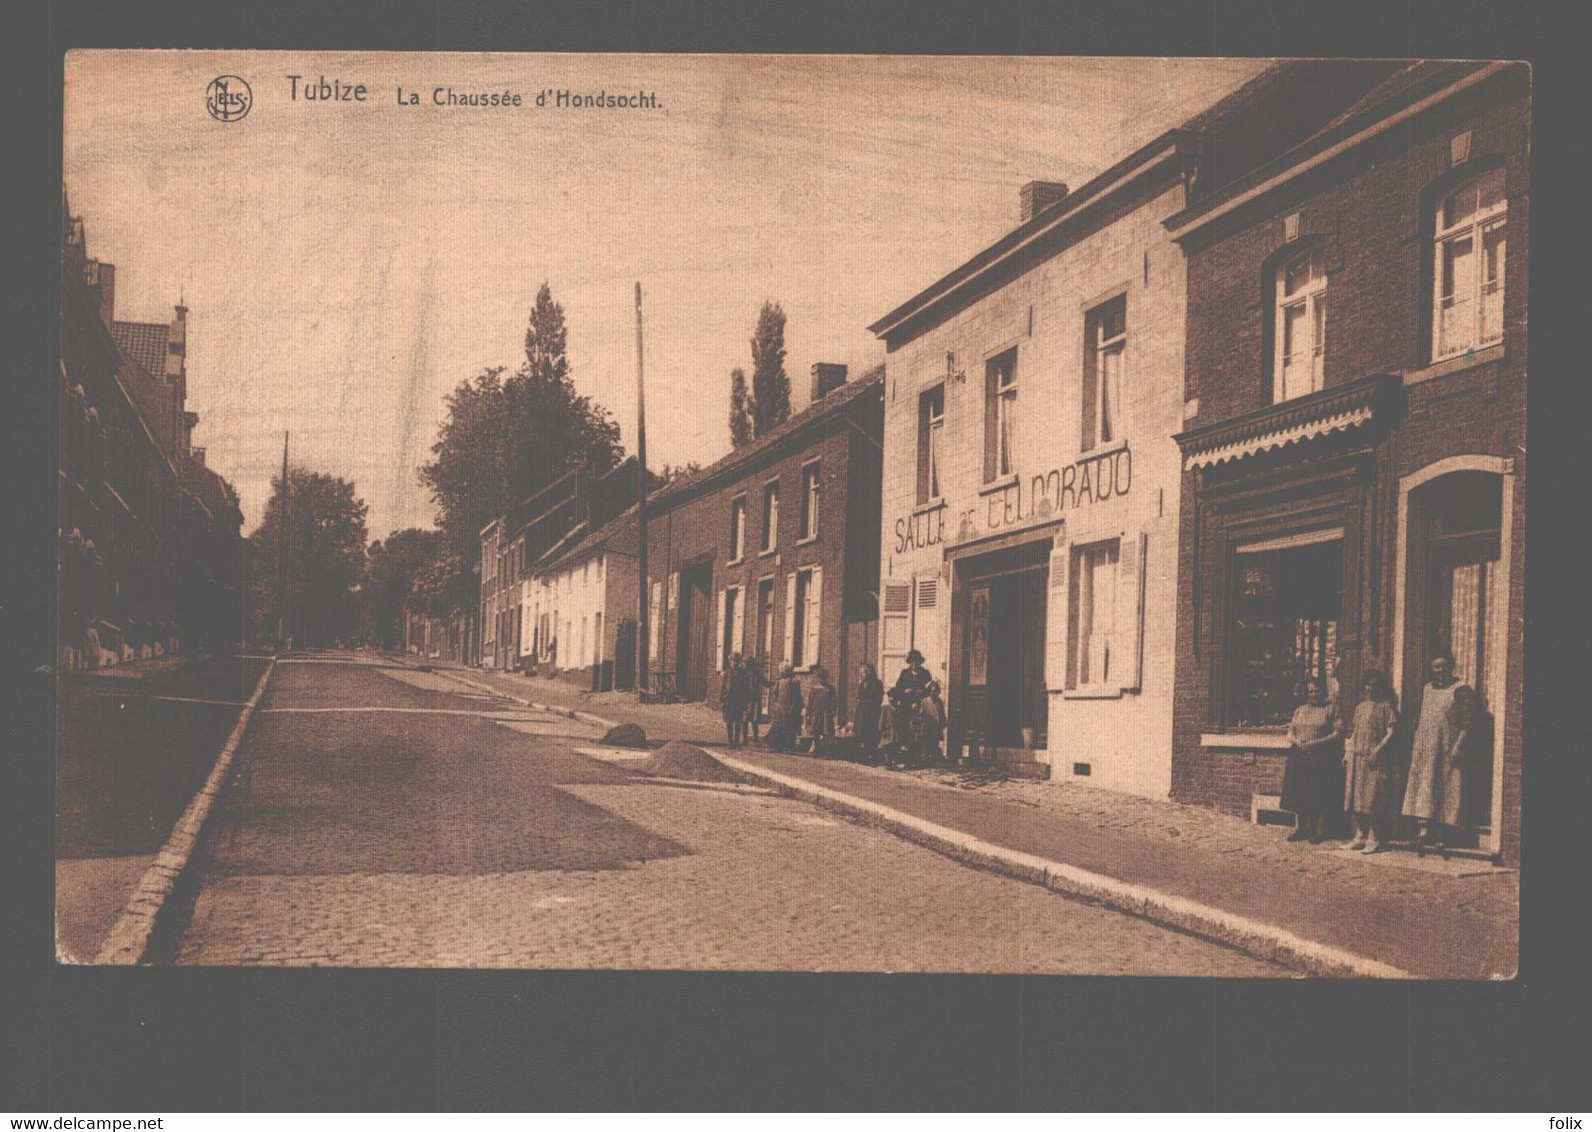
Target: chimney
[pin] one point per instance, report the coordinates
(107, 291)
(1036, 196)
(827, 377)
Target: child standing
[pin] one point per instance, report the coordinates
(1365, 762)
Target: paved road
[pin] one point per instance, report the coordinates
(388, 817)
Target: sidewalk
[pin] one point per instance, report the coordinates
(1428, 917)
(133, 745)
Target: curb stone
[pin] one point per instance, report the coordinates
(129, 938)
(1252, 937)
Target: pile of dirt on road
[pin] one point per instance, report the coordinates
(625, 735)
(681, 760)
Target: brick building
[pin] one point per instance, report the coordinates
(1354, 451)
(152, 556)
(773, 551)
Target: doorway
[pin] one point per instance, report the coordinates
(1001, 698)
(1458, 524)
(694, 652)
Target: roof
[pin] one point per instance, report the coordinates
(583, 541)
(1101, 187)
(1402, 93)
(830, 405)
(145, 342)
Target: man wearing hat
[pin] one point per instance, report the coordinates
(786, 714)
(910, 689)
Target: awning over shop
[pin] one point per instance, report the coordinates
(1339, 409)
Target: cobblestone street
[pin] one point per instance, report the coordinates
(386, 817)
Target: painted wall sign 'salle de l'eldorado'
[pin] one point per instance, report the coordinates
(1091, 479)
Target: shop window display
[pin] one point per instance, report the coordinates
(1286, 603)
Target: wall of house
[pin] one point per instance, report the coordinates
(1372, 214)
(697, 530)
(1126, 490)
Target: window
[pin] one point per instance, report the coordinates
(737, 528)
(1286, 597)
(1300, 326)
(931, 428)
(1000, 416)
(1095, 572)
(1468, 295)
(770, 515)
(803, 596)
(1107, 330)
(810, 488)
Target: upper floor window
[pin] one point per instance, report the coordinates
(810, 489)
(931, 428)
(737, 528)
(1000, 415)
(1300, 326)
(770, 514)
(1107, 330)
(1468, 295)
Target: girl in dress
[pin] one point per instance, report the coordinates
(1365, 762)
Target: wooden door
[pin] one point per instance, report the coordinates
(695, 653)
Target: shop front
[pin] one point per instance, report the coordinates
(1286, 567)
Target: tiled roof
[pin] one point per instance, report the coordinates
(825, 407)
(581, 542)
(145, 342)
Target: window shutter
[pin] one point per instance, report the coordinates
(1057, 603)
(1130, 610)
(815, 609)
(788, 656)
(718, 636)
(738, 626)
(895, 632)
(656, 617)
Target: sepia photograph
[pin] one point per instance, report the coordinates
(952, 514)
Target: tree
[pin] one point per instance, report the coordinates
(325, 558)
(505, 438)
(391, 568)
(770, 383)
(741, 410)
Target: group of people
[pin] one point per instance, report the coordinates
(903, 725)
(1328, 773)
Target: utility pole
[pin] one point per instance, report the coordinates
(281, 556)
(643, 651)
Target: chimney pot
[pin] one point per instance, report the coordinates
(827, 377)
(1036, 196)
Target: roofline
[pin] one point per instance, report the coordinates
(1191, 221)
(1103, 187)
(737, 458)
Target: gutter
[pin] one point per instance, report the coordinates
(1180, 230)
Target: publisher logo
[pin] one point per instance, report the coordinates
(228, 98)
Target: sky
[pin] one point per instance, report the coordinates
(347, 263)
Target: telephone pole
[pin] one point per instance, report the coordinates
(282, 553)
(643, 642)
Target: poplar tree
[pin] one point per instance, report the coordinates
(741, 410)
(770, 382)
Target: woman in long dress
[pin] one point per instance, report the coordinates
(1432, 793)
(1365, 762)
(1309, 782)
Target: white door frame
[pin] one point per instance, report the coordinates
(1497, 597)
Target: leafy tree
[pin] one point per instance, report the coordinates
(325, 558)
(390, 571)
(741, 406)
(770, 382)
(505, 438)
